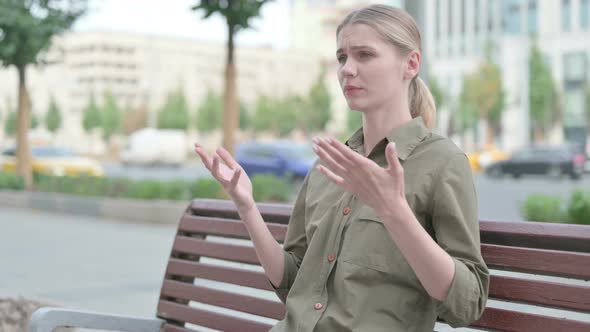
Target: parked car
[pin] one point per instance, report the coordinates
(56, 161)
(480, 160)
(554, 161)
(150, 146)
(283, 158)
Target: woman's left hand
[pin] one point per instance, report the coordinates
(380, 188)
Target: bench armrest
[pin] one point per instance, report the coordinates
(46, 319)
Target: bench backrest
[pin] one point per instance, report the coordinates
(214, 280)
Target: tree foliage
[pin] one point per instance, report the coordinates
(174, 112)
(53, 117)
(542, 93)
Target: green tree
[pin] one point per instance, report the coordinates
(174, 113)
(437, 92)
(542, 94)
(287, 112)
(26, 30)
(318, 112)
(10, 126)
(209, 113)
(466, 114)
(53, 116)
(92, 117)
(237, 15)
(245, 121)
(264, 119)
(483, 92)
(110, 119)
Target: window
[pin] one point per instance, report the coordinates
(511, 16)
(463, 17)
(532, 19)
(491, 15)
(437, 18)
(450, 18)
(566, 15)
(476, 15)
(585, 14)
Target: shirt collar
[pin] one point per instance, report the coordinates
(406, 137)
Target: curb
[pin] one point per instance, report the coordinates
(122, 209)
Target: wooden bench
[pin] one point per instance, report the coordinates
(213, 278)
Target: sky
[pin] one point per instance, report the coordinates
(174, 18)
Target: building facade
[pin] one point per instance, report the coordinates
(142, 70)
(456, 45)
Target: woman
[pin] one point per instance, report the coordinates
(384, 234)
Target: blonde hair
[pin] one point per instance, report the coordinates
(401, 31)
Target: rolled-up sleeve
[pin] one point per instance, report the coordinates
(456, 226)
(295, 244)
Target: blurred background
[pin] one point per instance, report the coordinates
(121, 90)
(102, 100)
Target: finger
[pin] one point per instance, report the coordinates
(339, 181)
(393, 159)
(333, 152)
(326, 158)
(215, 167)
(203, 155)
(351, 156)
(227, 158)
(236, 177)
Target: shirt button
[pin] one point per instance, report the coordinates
(318, 306)
(346, 210)
(331, 257)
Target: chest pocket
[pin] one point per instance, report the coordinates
(368, 244)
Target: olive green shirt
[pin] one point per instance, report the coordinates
(343, 272)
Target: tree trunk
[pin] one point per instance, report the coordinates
(23, 153)
(230, 100)
(490, 134)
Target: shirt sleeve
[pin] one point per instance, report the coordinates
(456, 226)
(295, 244)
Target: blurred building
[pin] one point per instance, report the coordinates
(141, 70)
(456, 38)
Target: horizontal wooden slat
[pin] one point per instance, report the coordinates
(218, 273)
(271, 212)
(174, 328)
(544, 293)
(512, 321)
(231, 252)
(539, 235)
(234, 301)
(548, 262)
(214, 320)
(225, 227)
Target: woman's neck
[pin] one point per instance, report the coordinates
(378, 124)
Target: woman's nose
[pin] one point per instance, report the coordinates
(348, 68)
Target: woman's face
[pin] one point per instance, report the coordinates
(371, 72)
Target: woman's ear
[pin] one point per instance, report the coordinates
(412, 66)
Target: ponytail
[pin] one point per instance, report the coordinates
(422, 102)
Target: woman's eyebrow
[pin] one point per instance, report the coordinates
(355, 48)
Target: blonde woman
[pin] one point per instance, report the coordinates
(384, 234)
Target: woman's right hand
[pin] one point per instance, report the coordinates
(232, 177)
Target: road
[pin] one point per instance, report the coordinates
(83, 262)
(499, 199)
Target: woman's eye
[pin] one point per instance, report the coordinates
(341, 58)
(364, 55)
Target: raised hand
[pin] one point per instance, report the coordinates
(230, 174)
(379, 188)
